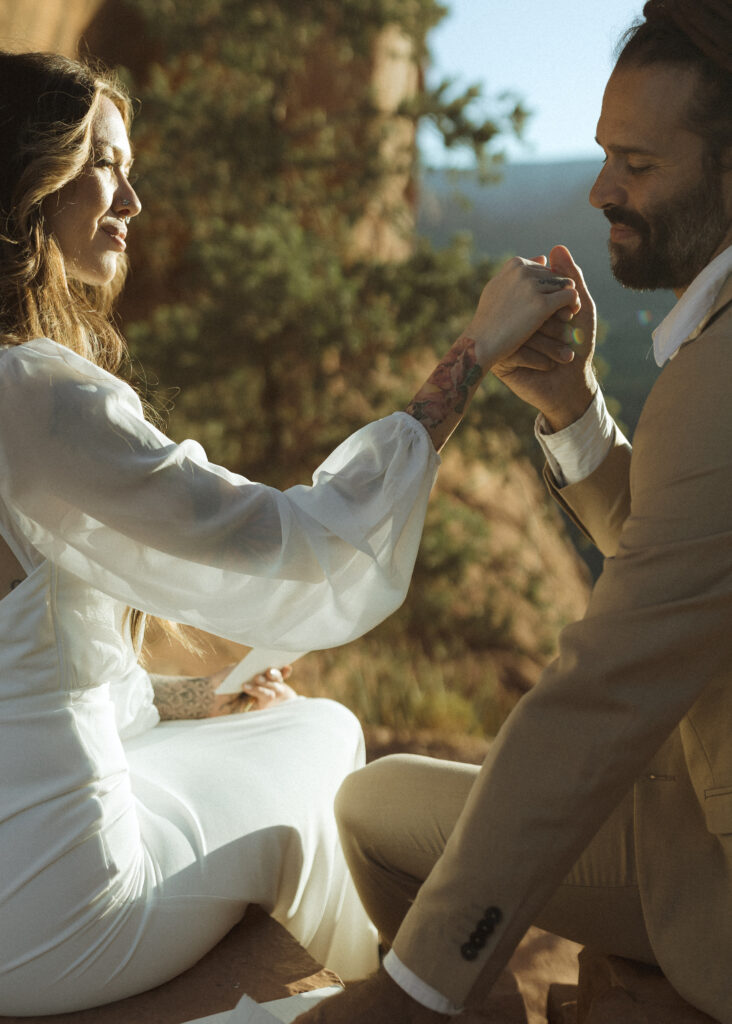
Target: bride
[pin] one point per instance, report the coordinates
(130, 846)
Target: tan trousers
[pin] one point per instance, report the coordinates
(395, 815)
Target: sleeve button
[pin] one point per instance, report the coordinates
(494, 915)
(469, 951)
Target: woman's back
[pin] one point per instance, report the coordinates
(122, 863)
(125, 859)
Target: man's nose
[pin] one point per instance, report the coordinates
(607, 190)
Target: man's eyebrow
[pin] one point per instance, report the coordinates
(625, 150)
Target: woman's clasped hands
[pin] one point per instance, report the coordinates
(262, 691)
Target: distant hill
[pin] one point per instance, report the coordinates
(532, 208)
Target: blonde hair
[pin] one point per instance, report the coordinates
(47, 105)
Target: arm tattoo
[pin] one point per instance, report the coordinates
(182, 696)
(441, 400)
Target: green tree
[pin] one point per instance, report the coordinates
(260, 144)
(253, 177)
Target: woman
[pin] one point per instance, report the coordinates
(128, 849)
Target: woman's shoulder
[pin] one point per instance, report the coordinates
(33, 353)
(40, 377)
(41, 350)
(47, 360)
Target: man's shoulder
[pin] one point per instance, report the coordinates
(708, 351)
(708, 354)
(720, 315)
(689, 405)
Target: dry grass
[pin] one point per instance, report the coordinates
(405, 699)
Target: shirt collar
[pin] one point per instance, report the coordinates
(692, 307)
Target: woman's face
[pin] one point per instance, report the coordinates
(89, 215)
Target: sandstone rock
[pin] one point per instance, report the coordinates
(520, 994)
(612, 989)
(45, 24)
(543, 961)
(503, 1005)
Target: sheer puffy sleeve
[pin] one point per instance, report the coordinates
(89, 484)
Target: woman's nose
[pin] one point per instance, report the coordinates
(127, 201)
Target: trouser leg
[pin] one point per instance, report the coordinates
(598, 904)
(395, 816)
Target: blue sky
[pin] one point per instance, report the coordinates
(557, 56)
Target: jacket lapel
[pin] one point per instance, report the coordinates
(721, 302)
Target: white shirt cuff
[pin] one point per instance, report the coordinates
(416, 988)
(575, 452)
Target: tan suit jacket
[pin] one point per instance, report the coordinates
(640, 695)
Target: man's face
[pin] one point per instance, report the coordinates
(670, 208)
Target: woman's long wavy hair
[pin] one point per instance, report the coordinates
(47, 105)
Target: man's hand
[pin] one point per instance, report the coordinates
(521, 297)
(377, 1000)
(553, 369)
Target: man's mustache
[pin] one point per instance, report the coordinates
(617, 215)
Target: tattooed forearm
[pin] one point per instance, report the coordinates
(183, 696)
(441, 401)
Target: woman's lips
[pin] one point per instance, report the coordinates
(117, 238)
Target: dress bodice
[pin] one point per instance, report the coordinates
(61, 639)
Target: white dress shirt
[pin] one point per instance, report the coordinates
(573, 454)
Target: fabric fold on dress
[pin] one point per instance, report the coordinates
(158, 526)
(128, 848)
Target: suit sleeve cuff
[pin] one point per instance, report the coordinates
(416, 988)
(574, 453)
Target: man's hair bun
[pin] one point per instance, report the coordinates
(707, 24)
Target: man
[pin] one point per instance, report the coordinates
(604, 809)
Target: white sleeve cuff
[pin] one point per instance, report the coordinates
(575, 452)
(416, 988)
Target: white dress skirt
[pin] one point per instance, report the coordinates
(129, 847)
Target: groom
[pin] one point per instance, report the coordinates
(604, 809)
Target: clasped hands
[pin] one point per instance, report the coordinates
(535, 328)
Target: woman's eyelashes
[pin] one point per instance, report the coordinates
(106, 163)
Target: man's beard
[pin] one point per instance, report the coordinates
(676, 240)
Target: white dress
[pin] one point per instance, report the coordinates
(129, 847)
